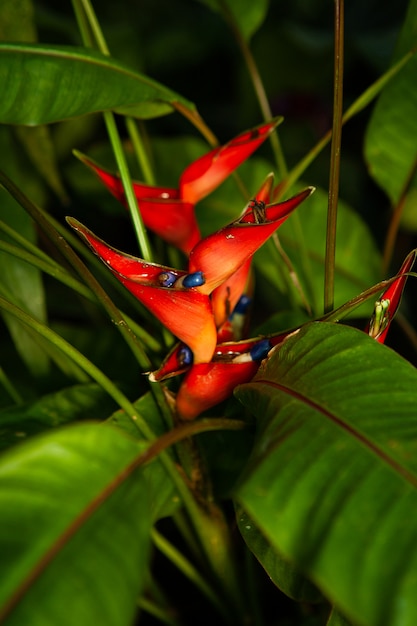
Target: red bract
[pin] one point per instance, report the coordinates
(221, 254)
(185, 312)
(387, 306)
(226, 296)
(206, 173)
(208, 384)
(169, 212)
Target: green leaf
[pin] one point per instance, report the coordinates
(44, 84)
(247, 15)
(70, 404)
(281, 572)
(390, 146)
(163, 495)
(332, 483)
(65, 560)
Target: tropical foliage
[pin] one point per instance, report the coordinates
(207, 342)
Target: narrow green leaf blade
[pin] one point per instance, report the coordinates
(333, 479)
(59, 564)
(44, 84)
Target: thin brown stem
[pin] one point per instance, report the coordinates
(330, 262)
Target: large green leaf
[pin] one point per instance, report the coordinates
(43, 84)
(332, 483)
(390, 144)
(59, 564)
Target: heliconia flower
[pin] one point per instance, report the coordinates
(387, 306)
(208, 384)
(206, 173)
(219, 255)
(168, 293)
(169, 212)
(226, 296)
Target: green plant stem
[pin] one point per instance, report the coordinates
(114, 313)
(140, 151)
(329, 269)
(257, 85)
(139, 226)
(48, 266)
(77, 357)
(184, 566)
(156, 611)
(10, 388)
(83, 8)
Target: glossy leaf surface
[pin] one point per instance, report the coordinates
(65, 561)
(43, 84)
(332, 483)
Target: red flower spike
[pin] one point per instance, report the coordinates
(225, 297)
(208, 384)
(177, 361)
(219, 255)
(161, 290)
(387, 306)
(161, 208)
(170, 212)
(206, 173)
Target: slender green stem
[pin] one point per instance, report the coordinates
(93, 24)
(10, 388)
(156, 611)
(41, 219)
(24, 243)
(48, 266)
(140, 151)
(257, 85)
(132, 202)
(186, 567)
(77, 357)
(110, 123)
(329, 269)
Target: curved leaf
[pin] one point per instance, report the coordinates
(333, 478)
(65, 561)
(281, 572)
(43, 84)
(390, 146)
